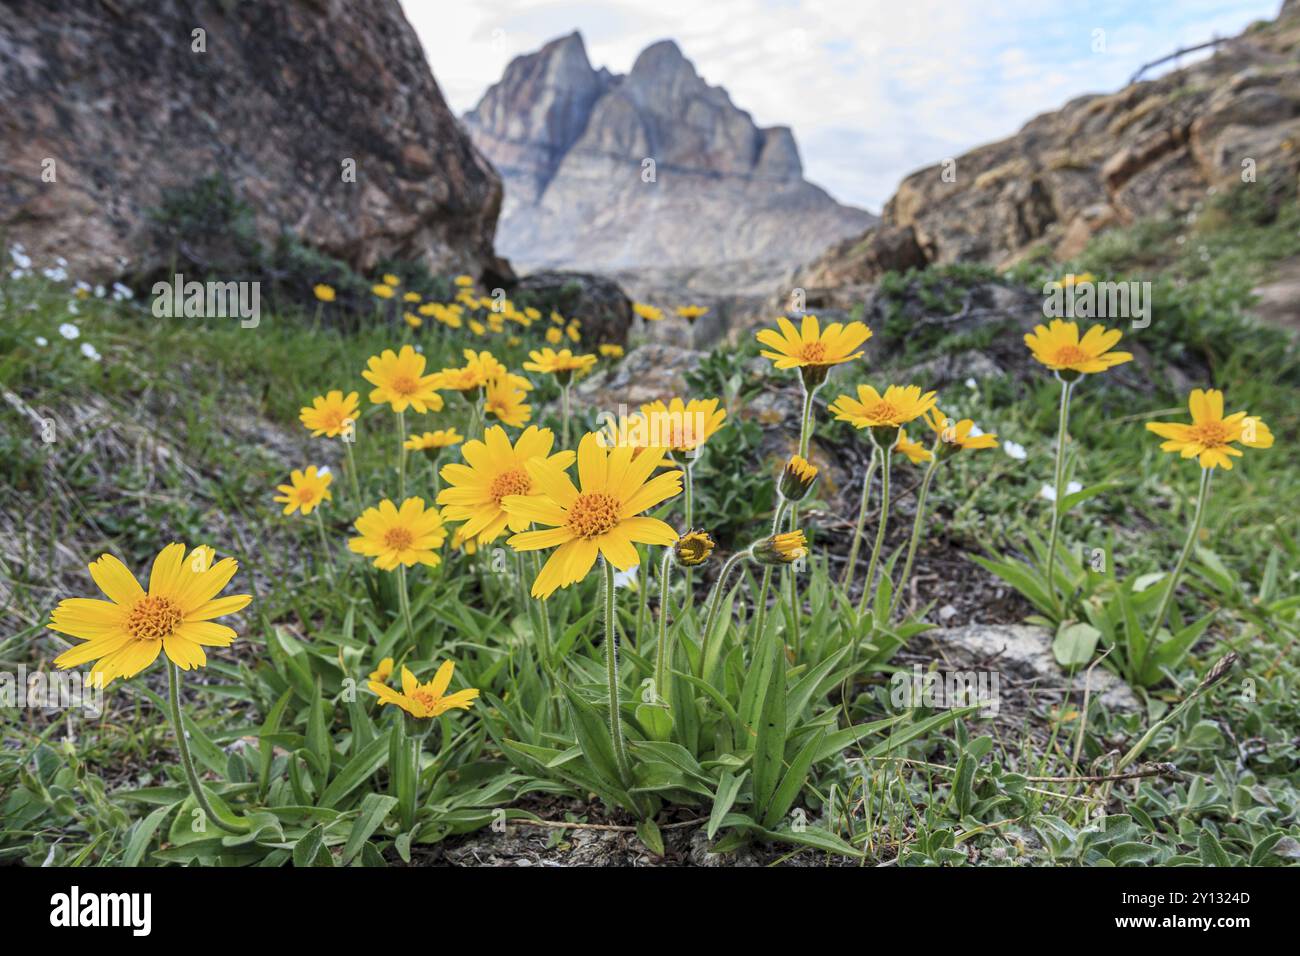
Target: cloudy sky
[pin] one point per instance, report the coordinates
(872, 88)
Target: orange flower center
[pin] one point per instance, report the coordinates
(423, 698)
(592, 515)
(404, 385)
(398, 539)
(306, 494)
(814, 352)
(1071, 355)
(332, 418)
(152, 618)
(882, 412)
(1210, 434)
(513, 482)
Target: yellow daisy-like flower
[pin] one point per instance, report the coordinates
(682, 427)
(604, 517)
(426, 700)
(125, 634)
(554, 335)
(477, 327)
(548, 361)
(399, 380)
(331, 414)
(693, 548)
(411, 297)
(574, 331)
(466, 544)
(383, 671)
(504, 401)
(305, 491)
(391, 280)
(692, 312)
(812, 347)
(383, 291)
(493, 470)
(464, 282)
(394, 536)
(414, 321)
(1210, 436)
(899, 405)
(916, 452)
(784, 548)
(611, 350)
(433, 441)
(323, 292)
(1059, 347)
(647, 312)
(557, 319)
(958, 436)
(797, 478)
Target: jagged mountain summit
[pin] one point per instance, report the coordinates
(575, 147)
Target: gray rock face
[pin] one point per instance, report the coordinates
(655, 169)
(117, 96)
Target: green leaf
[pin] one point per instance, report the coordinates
(792, 783)
(142, 835)
(649, 833)
(374, 808)
(769, 745)
(1131, 853)
(364, 763)
(1075, 644)
(728, 790)
(656, 720)
(1211, 850)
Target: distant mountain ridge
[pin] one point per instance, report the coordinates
(573, 145)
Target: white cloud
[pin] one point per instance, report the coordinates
(872, 88)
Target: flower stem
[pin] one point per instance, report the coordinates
(324, 545)
(401, 456)
(887, 455)
(404, 601)
(761, 607)
(1058, 480)
(917, 523)
(230, 825)
(546, 620)
(1167, 601)
(564, 404)
(352, 467)
(805, 441)
(661, 650)
(688, 484)
(611, 675)
(643, 596)
(715, 604)
(852, 564)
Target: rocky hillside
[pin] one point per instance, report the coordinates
(106, 105)
(1152, 148)
(573, 143)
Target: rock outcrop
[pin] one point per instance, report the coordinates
(107, 105)
(1151, 148)
(655, 169)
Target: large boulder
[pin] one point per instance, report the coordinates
(598, 303)
(107, 106)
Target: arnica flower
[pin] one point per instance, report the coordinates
(414, 321)
(411, 297)
(391, 280)
(399, 380)
(459, 540)
(561, 364)
(305, 491)
(323, 292)
(426, 700)
(554, 335)
(383, 671)
(434, 441)
(331, 414)
(125, 634)
(464, 282)
(812, 349)
(604, 517)
(383, 291)
(693, 548)
(1059, 347)
(406, 536)
(784, 548)
(557, 319)
(574, 331)
(888, 412)
(692, 312)
(504, 400)
(915, 452)
(493, 470)
(611, 350)
(647, 312)
(797, 479)
(1210, 436)
(956, 436)
(682, 427)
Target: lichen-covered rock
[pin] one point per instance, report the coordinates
(105, 106)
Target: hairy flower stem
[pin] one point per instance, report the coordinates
(917, 523)
(229, 824)
(715, 604)
(805, 442)
(887, 455)
(324, 546)
(546, 620)
(852, 564)
(404, 601)
(761, 615)
(1059, 490)
(611, 675)
(1167, 601)
(401, 456)
(688, 485)
(564, 405)
(662, 654)
(348, 441)
(643, 596)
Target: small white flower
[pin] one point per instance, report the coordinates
(975, 430)
(20, 260)
(120, 292)
(323, 470)
(628, 578)
(90, 352)
(61, 262)
(1049, 492)
(972, 384)
(69, 331)
(72, 308)
(1014, 450)
(42, 341)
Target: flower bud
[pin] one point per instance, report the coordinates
(797, 479)
(785, 548)
(693, 548)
